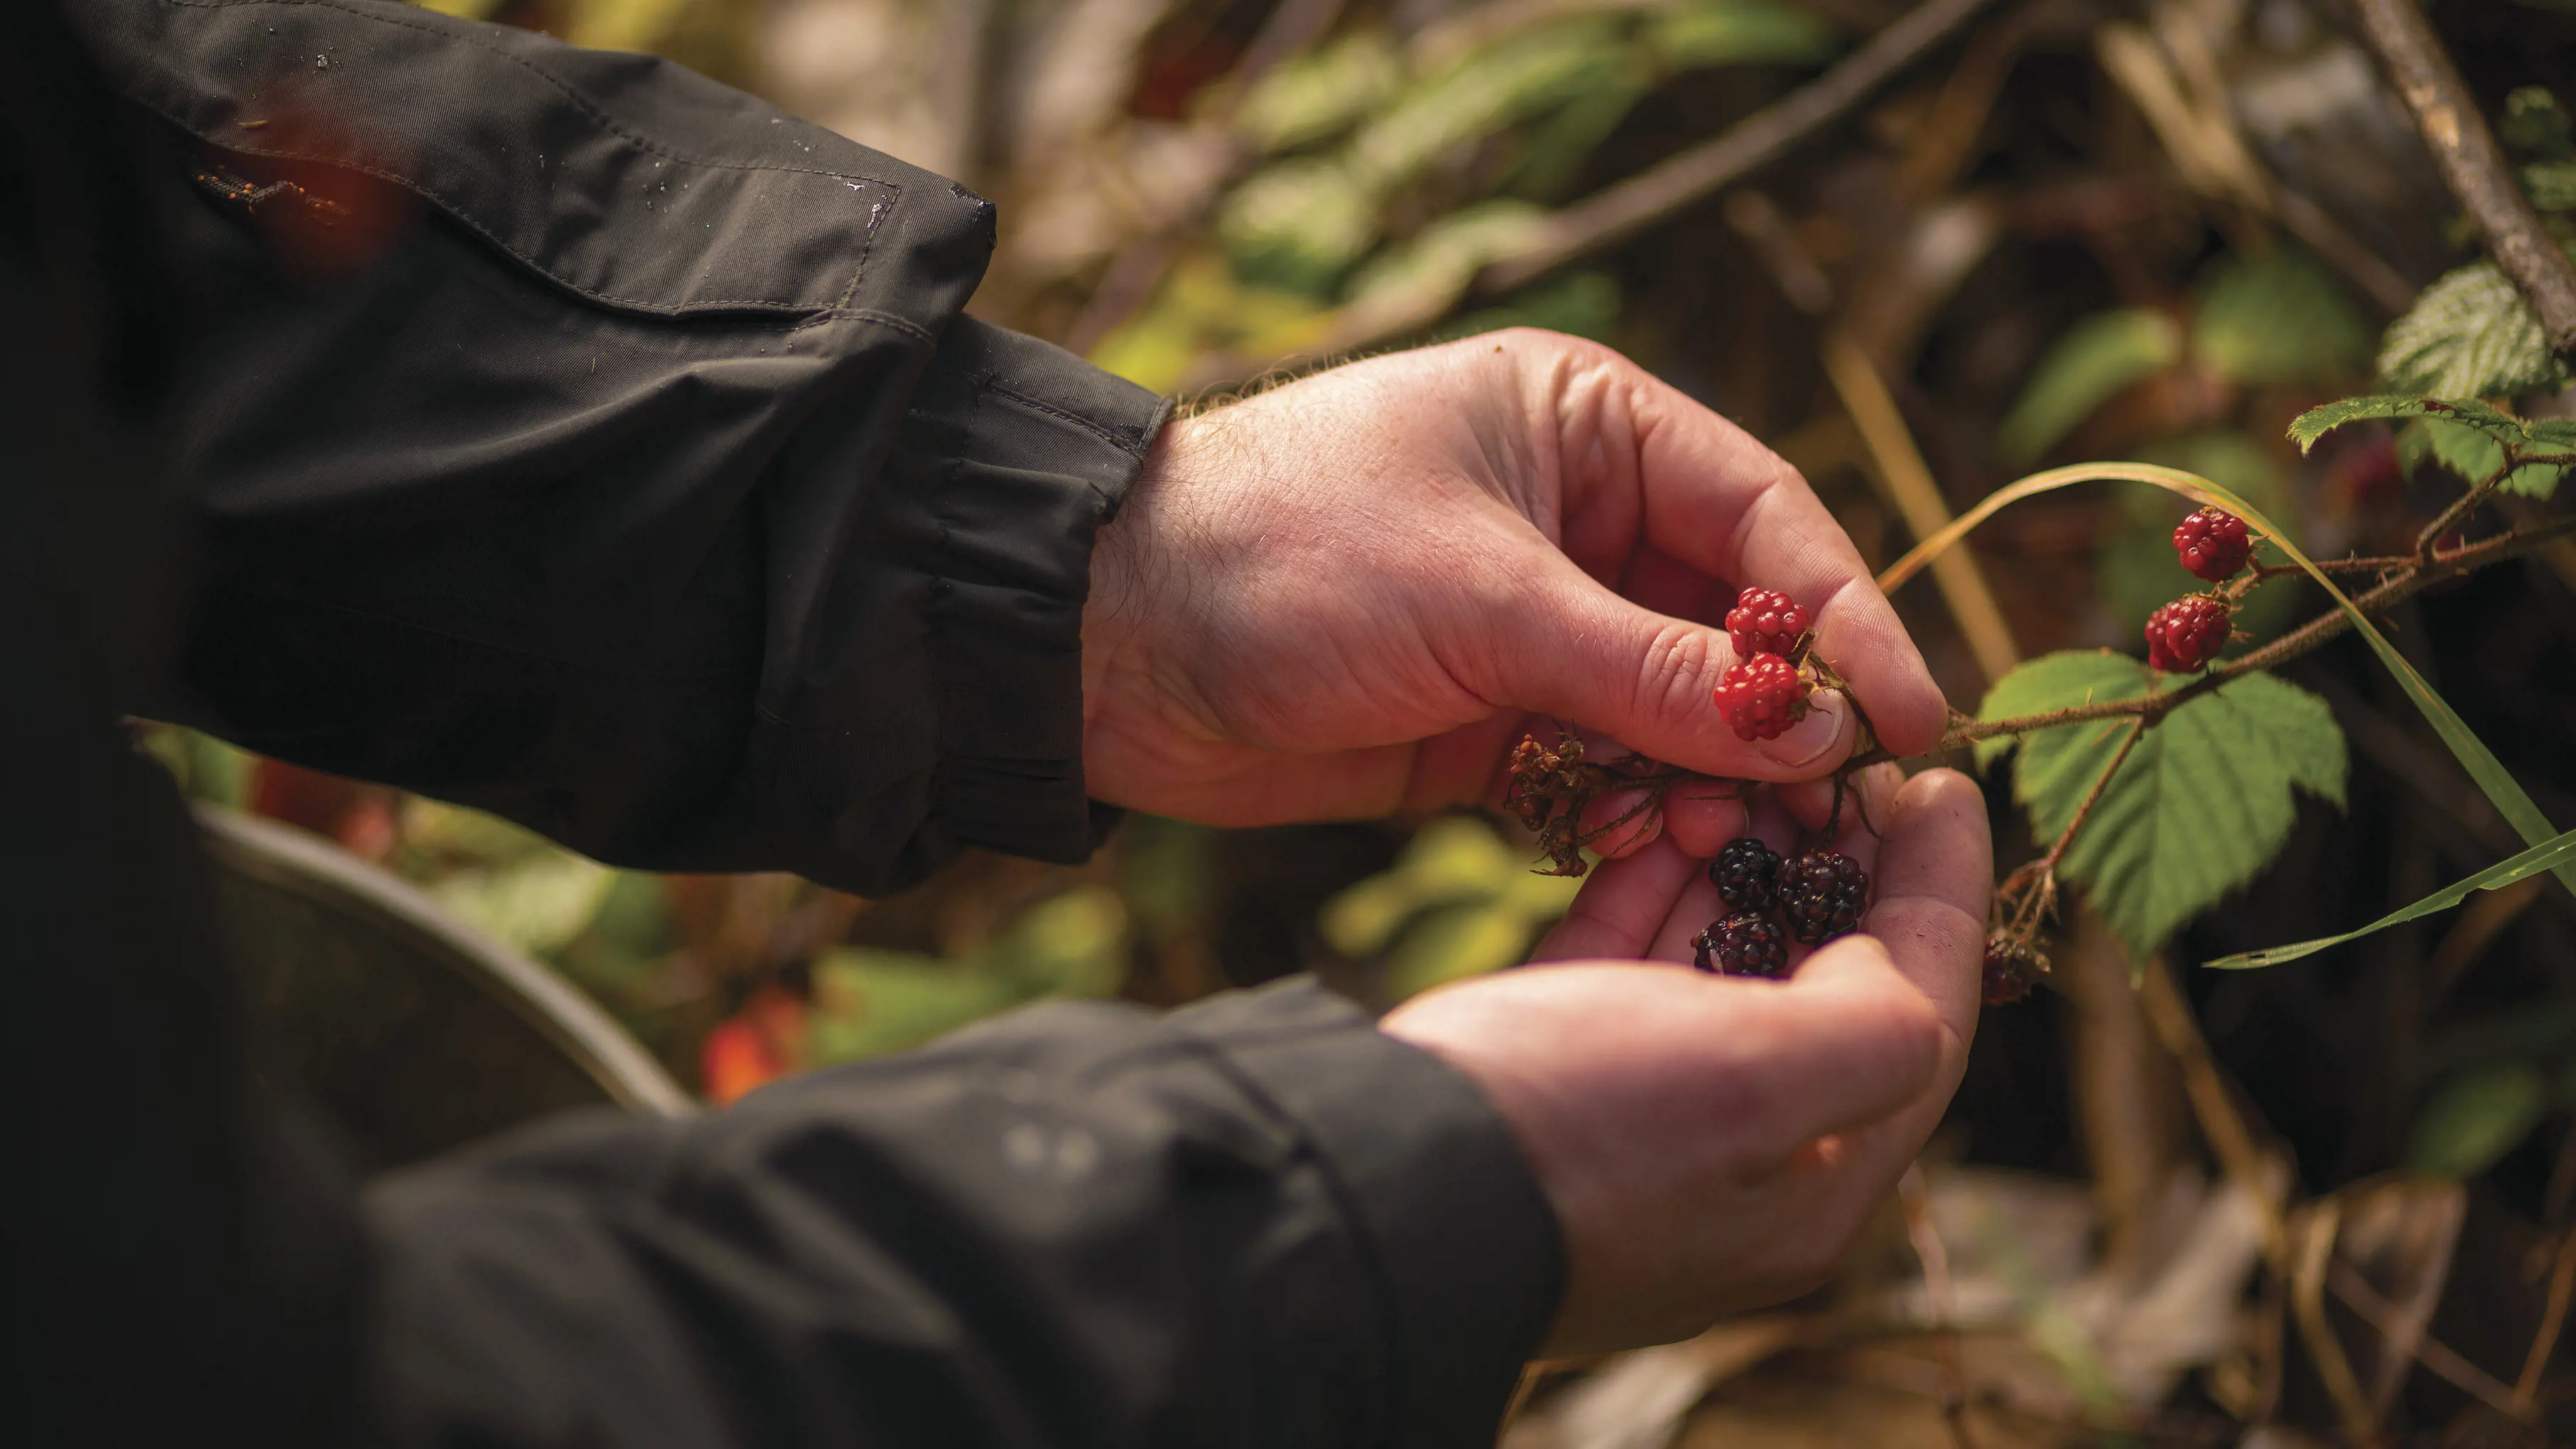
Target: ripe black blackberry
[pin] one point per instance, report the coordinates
(1822, 895)
(1746, 874)
(1748, 943)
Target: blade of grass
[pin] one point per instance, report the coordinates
(2544, 856)
(2510, 799)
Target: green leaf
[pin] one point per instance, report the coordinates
(2278, 320)
(2203, 802)
(2098, 359)
(2472, 454)
(1322, 93)
(2548, 855)
(1528, 75)
(2315, 423)
(2476, 1119)
(2552, 185)
(1739, 32)
(1299, 225)
(2493, 779)
(2468, 335)
(2534, 125)
(1454, 943)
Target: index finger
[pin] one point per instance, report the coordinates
(1718, 500)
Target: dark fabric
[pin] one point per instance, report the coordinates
(565, 435)
(1257, 1222)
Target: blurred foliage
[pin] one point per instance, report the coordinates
(1461, 901)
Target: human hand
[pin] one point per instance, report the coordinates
(1711, 1144)
(1346, 597)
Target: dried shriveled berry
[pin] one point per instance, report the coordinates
(1822, 895)
(2011, 970)
(1761, 697)
(1746, 874)
(1748, 943)
(2187, 633)
(2212, 544)
(1765, 621)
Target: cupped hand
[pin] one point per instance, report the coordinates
(1712, 1144)
(1348, 596)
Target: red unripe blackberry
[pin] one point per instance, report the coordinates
(1761, 697)
(1765, 621)
(1748, 943)
(2009, 971)
(2213, 544)
(1746, 874)
(2187, 633)
(1822, 895)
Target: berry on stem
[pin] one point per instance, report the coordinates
(1765, 621)
(1746, 874)
(1761, 697)
(1822, 895)
(2212, 544)
(2187, 633)
(1748, 943)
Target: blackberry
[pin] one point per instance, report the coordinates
(2186, 634)
(1765, 621)
(1748, 943)
(2212, 544)
(1822, 895)
(1761, 697)
(2011, 970)
(1746, 874)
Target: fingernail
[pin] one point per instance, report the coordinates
(1813, 738)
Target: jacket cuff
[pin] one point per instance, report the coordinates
(1023, 450)
(1456, 1233)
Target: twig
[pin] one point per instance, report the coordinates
(2308, 1305)
(2553, 1319)
(2471, 164)
(1916, 1198)
(2431, 1352)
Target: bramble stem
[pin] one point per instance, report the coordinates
(2450, 517)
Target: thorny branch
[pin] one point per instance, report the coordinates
(2471, 164)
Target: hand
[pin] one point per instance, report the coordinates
(1711, 1144)
(1346, 597)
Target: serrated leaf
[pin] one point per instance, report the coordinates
(2316, 422)
(2098, 359)
(2278, 320)
(2200, 806)
(2468, 335)
(2471, 454)
(2492, 778)
(2548, 855)
(2476, 1119)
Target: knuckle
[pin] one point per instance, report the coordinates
(1678, 672)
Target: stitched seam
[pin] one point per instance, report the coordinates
(942, 590)
(457, 212)
(1106, 435)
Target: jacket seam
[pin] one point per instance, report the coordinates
(1106, 435)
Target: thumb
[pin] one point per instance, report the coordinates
(1582, 653)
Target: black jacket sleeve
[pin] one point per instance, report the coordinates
(1255, 1222)
(579, 439)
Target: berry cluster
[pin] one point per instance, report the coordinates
(1764, 693)
(1809, 898)
(2187, 634)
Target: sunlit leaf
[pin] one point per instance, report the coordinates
(1300, 224)
(1739, 32)
(1454, 943)
(2098, 359)
(2476, 1118)
(2548, 855)
(539, 905)
(2201, 805)
(2472, 455)
(1531, 73)
(2280, 319)
(2468, 335)
(1322, 93)
(2493, 779)
(2316, 422)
